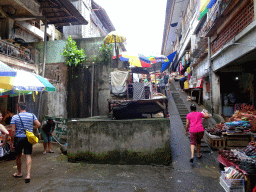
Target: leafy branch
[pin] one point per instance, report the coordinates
(72, 54)
(105, 53)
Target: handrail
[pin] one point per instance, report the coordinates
(15, 51)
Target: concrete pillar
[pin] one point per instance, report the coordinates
(216, 97)
(254, 9)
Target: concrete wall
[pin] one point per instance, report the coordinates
(137, 141)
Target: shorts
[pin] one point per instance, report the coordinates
(47, 138)
(22, 143)
(195, 138)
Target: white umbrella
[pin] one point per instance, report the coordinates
(26, 81)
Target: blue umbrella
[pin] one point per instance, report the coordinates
(5, 70)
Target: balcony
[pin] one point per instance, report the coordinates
(216, 15)
(14, 54)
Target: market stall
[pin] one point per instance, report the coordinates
(237, 132)
(243, 164)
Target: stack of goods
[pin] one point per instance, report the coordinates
(217, 130)
(244, 159)
(245, 113)
(238, 126)
(230, 156)
(232, 179)
(250, 150)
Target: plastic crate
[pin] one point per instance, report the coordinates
(231, 185)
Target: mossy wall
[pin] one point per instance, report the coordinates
(137, 141)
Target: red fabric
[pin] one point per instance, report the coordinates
(195, 119)
(145, 64)
(4, 96)
(114, 57)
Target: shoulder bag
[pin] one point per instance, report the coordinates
(30, 135)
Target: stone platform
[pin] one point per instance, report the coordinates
(133, 141)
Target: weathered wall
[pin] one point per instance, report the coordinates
(101, 80)
(137, 141)
(55, 103)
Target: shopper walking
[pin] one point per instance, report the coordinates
(19, 123)
(46, 131)
(196, 129)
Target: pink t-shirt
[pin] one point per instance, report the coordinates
(195, 119)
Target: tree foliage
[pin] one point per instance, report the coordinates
(72, 54)
(105, 53)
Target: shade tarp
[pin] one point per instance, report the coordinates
(203, 4)
(203, 13)
(6, 82)
(48, 86)
(211, 3)
(170, 58)
(5, 70)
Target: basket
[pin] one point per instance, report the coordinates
(231, 185)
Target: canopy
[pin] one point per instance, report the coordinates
(48, 86)
(5, 70)
(170, 58)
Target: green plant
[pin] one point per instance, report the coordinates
(105, 53)
(72, 54)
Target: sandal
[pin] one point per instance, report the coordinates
(27, 180)
(199, 157)
(17, 176)
(191, 160)
(44, 152)
(51, 151)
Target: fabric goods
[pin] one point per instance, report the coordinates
(118, 85)
(138, 91)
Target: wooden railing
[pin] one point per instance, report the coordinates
(16, 51)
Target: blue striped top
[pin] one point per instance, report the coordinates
(27, 119)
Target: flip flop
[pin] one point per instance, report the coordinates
(51, 151)
(44, 152)
(27, 180)
(17, 176)
(199, 157)
(191, 160)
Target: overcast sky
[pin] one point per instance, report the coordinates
(140, 21)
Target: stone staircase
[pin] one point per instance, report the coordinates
(183, 111)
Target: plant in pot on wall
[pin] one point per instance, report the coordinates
(105, 53)
(73, 56)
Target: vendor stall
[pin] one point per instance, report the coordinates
(243, 162)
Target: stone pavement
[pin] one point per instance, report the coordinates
(52, 172)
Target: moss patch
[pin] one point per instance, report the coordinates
(158, 157)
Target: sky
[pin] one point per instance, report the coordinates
(140, 21)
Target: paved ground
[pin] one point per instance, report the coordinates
(52, 172)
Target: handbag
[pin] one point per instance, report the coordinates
(30, 135)
(6, 149)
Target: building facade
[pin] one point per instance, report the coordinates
(220, 42)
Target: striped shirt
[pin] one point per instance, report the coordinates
(27, 119)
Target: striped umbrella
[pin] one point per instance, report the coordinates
(48, 86)
(5, 70)
(114, 37)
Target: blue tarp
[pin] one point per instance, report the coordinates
(211, 3)
(170, 57)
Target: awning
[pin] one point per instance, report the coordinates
(166, 64)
